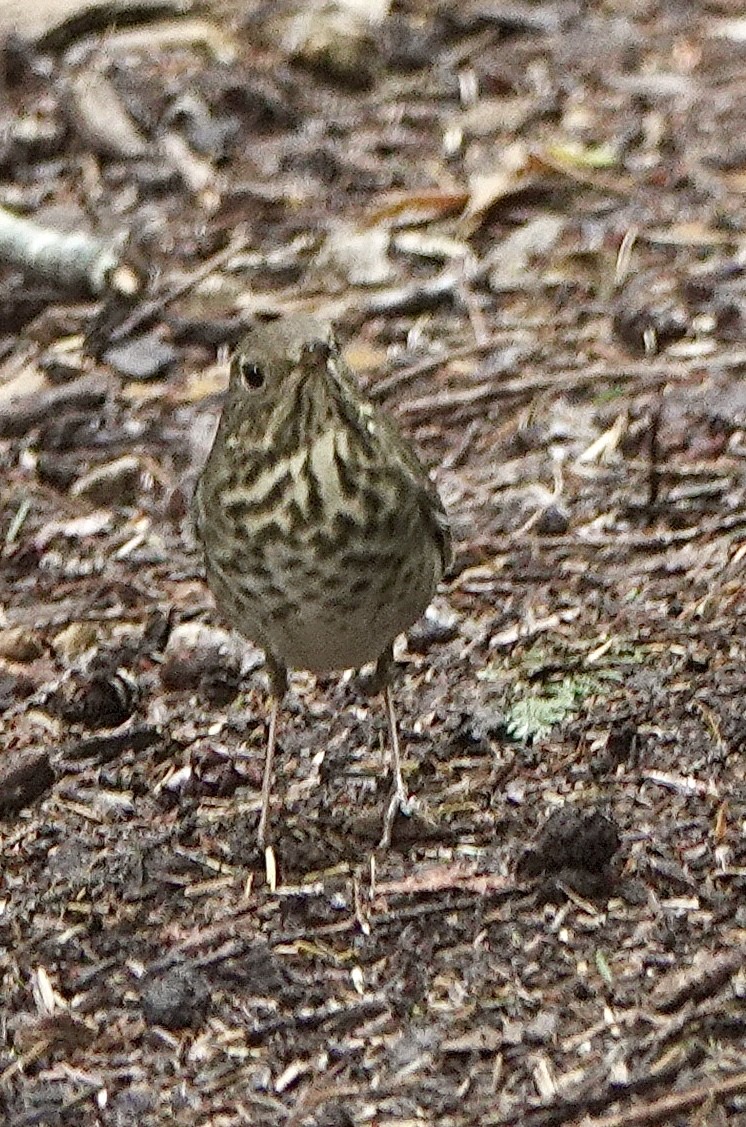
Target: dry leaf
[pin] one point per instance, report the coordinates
(487, 189)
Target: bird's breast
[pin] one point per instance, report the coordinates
(323, 558)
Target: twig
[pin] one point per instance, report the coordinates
(663, 1110)
(654, 476)
(382, 388)
(147, 312)
(21, 415)
(468, 401)
(74, 262)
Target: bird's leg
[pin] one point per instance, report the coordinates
(379, 682)
(399, 799)
(278, 680)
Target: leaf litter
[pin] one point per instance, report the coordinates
(545, 283)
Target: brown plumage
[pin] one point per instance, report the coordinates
(323, 536)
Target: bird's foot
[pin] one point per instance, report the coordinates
(399, 803)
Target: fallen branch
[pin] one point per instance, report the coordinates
(71, 262)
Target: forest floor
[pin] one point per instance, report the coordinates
(528, 221)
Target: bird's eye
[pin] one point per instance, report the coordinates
(252, 375)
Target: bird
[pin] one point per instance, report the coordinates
(323, 536)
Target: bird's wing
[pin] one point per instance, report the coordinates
(430, 504)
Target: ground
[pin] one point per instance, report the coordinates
(528, 222)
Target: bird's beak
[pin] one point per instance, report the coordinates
(314, 357)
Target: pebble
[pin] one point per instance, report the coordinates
(141, 358)
(178, 998)
(195, 651)
(553, 521)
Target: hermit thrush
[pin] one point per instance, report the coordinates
(323, 536)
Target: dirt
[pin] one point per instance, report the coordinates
(528, 222)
